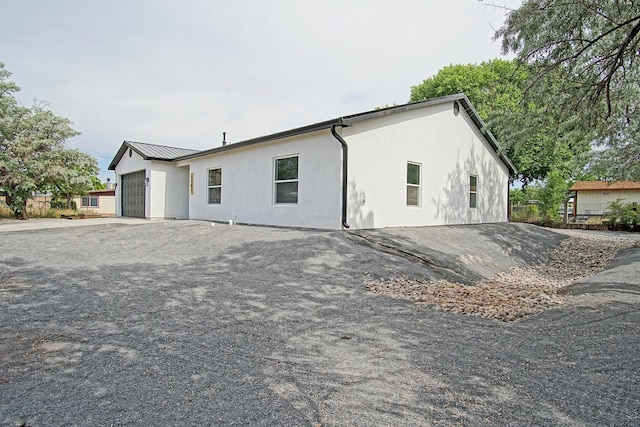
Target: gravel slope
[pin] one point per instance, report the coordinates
(182, 323)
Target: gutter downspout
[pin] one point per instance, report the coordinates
(345, 161)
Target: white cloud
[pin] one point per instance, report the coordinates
(180, 73)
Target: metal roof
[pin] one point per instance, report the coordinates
(605, 185)
(150, 152)
(159, 152)
(353, 118)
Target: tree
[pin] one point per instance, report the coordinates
(552, 196)
(584, 57)
(71, 173)
(528, 136)
(33, 157)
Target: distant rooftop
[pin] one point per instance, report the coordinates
(605, 185)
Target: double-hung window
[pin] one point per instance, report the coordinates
(286, 180)
(413, 184)
(473, 191)
(89, 202)
(215, 185)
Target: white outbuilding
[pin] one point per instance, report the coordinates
(424, 163)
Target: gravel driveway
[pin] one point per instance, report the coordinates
(184, 323)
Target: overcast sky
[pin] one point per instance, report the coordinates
(180, 73)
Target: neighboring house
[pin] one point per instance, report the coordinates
(592, 198)
(97, 201)
(424, 163)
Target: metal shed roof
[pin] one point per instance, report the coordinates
(150, 152)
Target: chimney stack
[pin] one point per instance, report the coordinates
(108, 183)
(224, 139)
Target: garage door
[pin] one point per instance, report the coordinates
(133, 194)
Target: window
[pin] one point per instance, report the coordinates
(214, 185)
(473, 191)
(89, 202)
(413, 184)
(286, 180)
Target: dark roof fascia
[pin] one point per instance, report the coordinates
(466, 104)
(273, 137)
(381, 112)
(482, 127)
(348, 121)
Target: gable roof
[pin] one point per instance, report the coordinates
(150, 152)
(353, 118)
(605, 185)
(160, 152)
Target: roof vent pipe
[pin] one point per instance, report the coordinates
(224, 139)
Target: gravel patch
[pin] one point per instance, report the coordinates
(509, 296)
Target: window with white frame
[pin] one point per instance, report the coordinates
(473, 191)
(90, 202)
(214, 185)
(286, 180)
(413, 184)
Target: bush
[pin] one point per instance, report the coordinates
(62, 204)
(624, 216)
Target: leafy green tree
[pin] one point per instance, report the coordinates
(72, 173)
(529, 137)
(552, 195)
(33, 157)
(584, 59)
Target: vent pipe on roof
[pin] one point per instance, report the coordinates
(224, 139)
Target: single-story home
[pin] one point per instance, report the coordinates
(98, 201)
(592, 198)
(425, 163)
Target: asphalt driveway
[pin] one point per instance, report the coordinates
(184, 323)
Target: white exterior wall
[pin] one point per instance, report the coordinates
(449, 149)
(247, 194)
(168, 191)
(166, 196)
(596, 202)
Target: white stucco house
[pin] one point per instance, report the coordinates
(424, 163)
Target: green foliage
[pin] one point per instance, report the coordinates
(552, 196)
(63, 204)
(517, 196)
(33, 157)
(528, 136)
(583, 61)
(624, 216)
(97, 184)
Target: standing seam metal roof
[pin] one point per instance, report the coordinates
(150, 152)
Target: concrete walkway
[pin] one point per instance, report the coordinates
(8, 225)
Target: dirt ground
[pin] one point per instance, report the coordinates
(185, 323)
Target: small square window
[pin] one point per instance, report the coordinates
(215, 186)
(286, 180)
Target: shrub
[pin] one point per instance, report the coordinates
(624, 216)
(62, 204)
